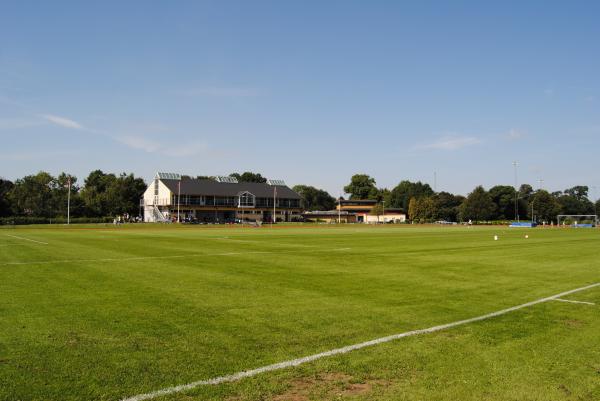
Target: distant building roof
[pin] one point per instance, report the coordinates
(327, 213)
(193, 186)
(358, 201)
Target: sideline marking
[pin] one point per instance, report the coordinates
(574, 302)
(27, 239)
(295, 362)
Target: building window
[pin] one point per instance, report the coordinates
(246, 199)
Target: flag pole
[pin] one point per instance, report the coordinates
(178, 199)
(340, 209)
(274, 197)
(69, 201)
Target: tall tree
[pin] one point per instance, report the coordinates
(478, 206)
(401, 195)
(362, 186)
(413, 209)
(544, 206)
(60, 196)
(579, 192)
(109, 195)
(248, 176)
(447, 206)
(124, 194)
(5, 206)
(32, 195)
(504, 198)
(94, 193)
(314, 199)
(574, 201)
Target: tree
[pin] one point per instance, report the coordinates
(574, 201)
(377, 210)
(545, 206)
(478, 206)
(401, 195)
(248, 176)
(60, 196)
(109, 195)
(314, 199)
(94, 193)
(5, 205)
(32, 195)
(124, 195)
(422, 209)
(362, 186)
(447, 206)
(384, 195)
(503, 197)
(579, 192)
(413, 209)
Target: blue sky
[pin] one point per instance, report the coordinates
(309, 92)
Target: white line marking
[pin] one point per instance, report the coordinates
(574, 302)
(27, 239)
(295, 362)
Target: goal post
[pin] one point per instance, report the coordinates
(577, 220)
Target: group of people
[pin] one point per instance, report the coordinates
(127, 218)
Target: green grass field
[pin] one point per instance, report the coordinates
(108, 313)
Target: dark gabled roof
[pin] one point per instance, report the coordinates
(192, 186)
(359, 201)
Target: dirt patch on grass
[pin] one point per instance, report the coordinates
(325, 386)
(574, 323)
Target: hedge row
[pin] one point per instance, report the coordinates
(20, 220)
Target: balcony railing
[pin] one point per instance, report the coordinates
(227, 202)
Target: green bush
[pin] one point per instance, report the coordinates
(21, 220)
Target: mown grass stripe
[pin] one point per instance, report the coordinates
(299, 361)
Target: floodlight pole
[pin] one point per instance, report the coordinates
(594, 188)
(515, 164)
(69, 201)
(178, 199)
(274, 200)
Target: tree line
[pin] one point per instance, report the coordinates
(499, 203)
(44, 196)
(104, 195)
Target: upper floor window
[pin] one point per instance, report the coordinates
(246, 199)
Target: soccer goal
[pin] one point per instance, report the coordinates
(577, 220)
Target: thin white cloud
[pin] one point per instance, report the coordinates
(151, 146)
(213, 91)
(514, 135)
(140, 143)
(13, 124)
(190, 149)
(62, 121)
(450, 142)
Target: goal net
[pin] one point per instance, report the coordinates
(577, 220)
